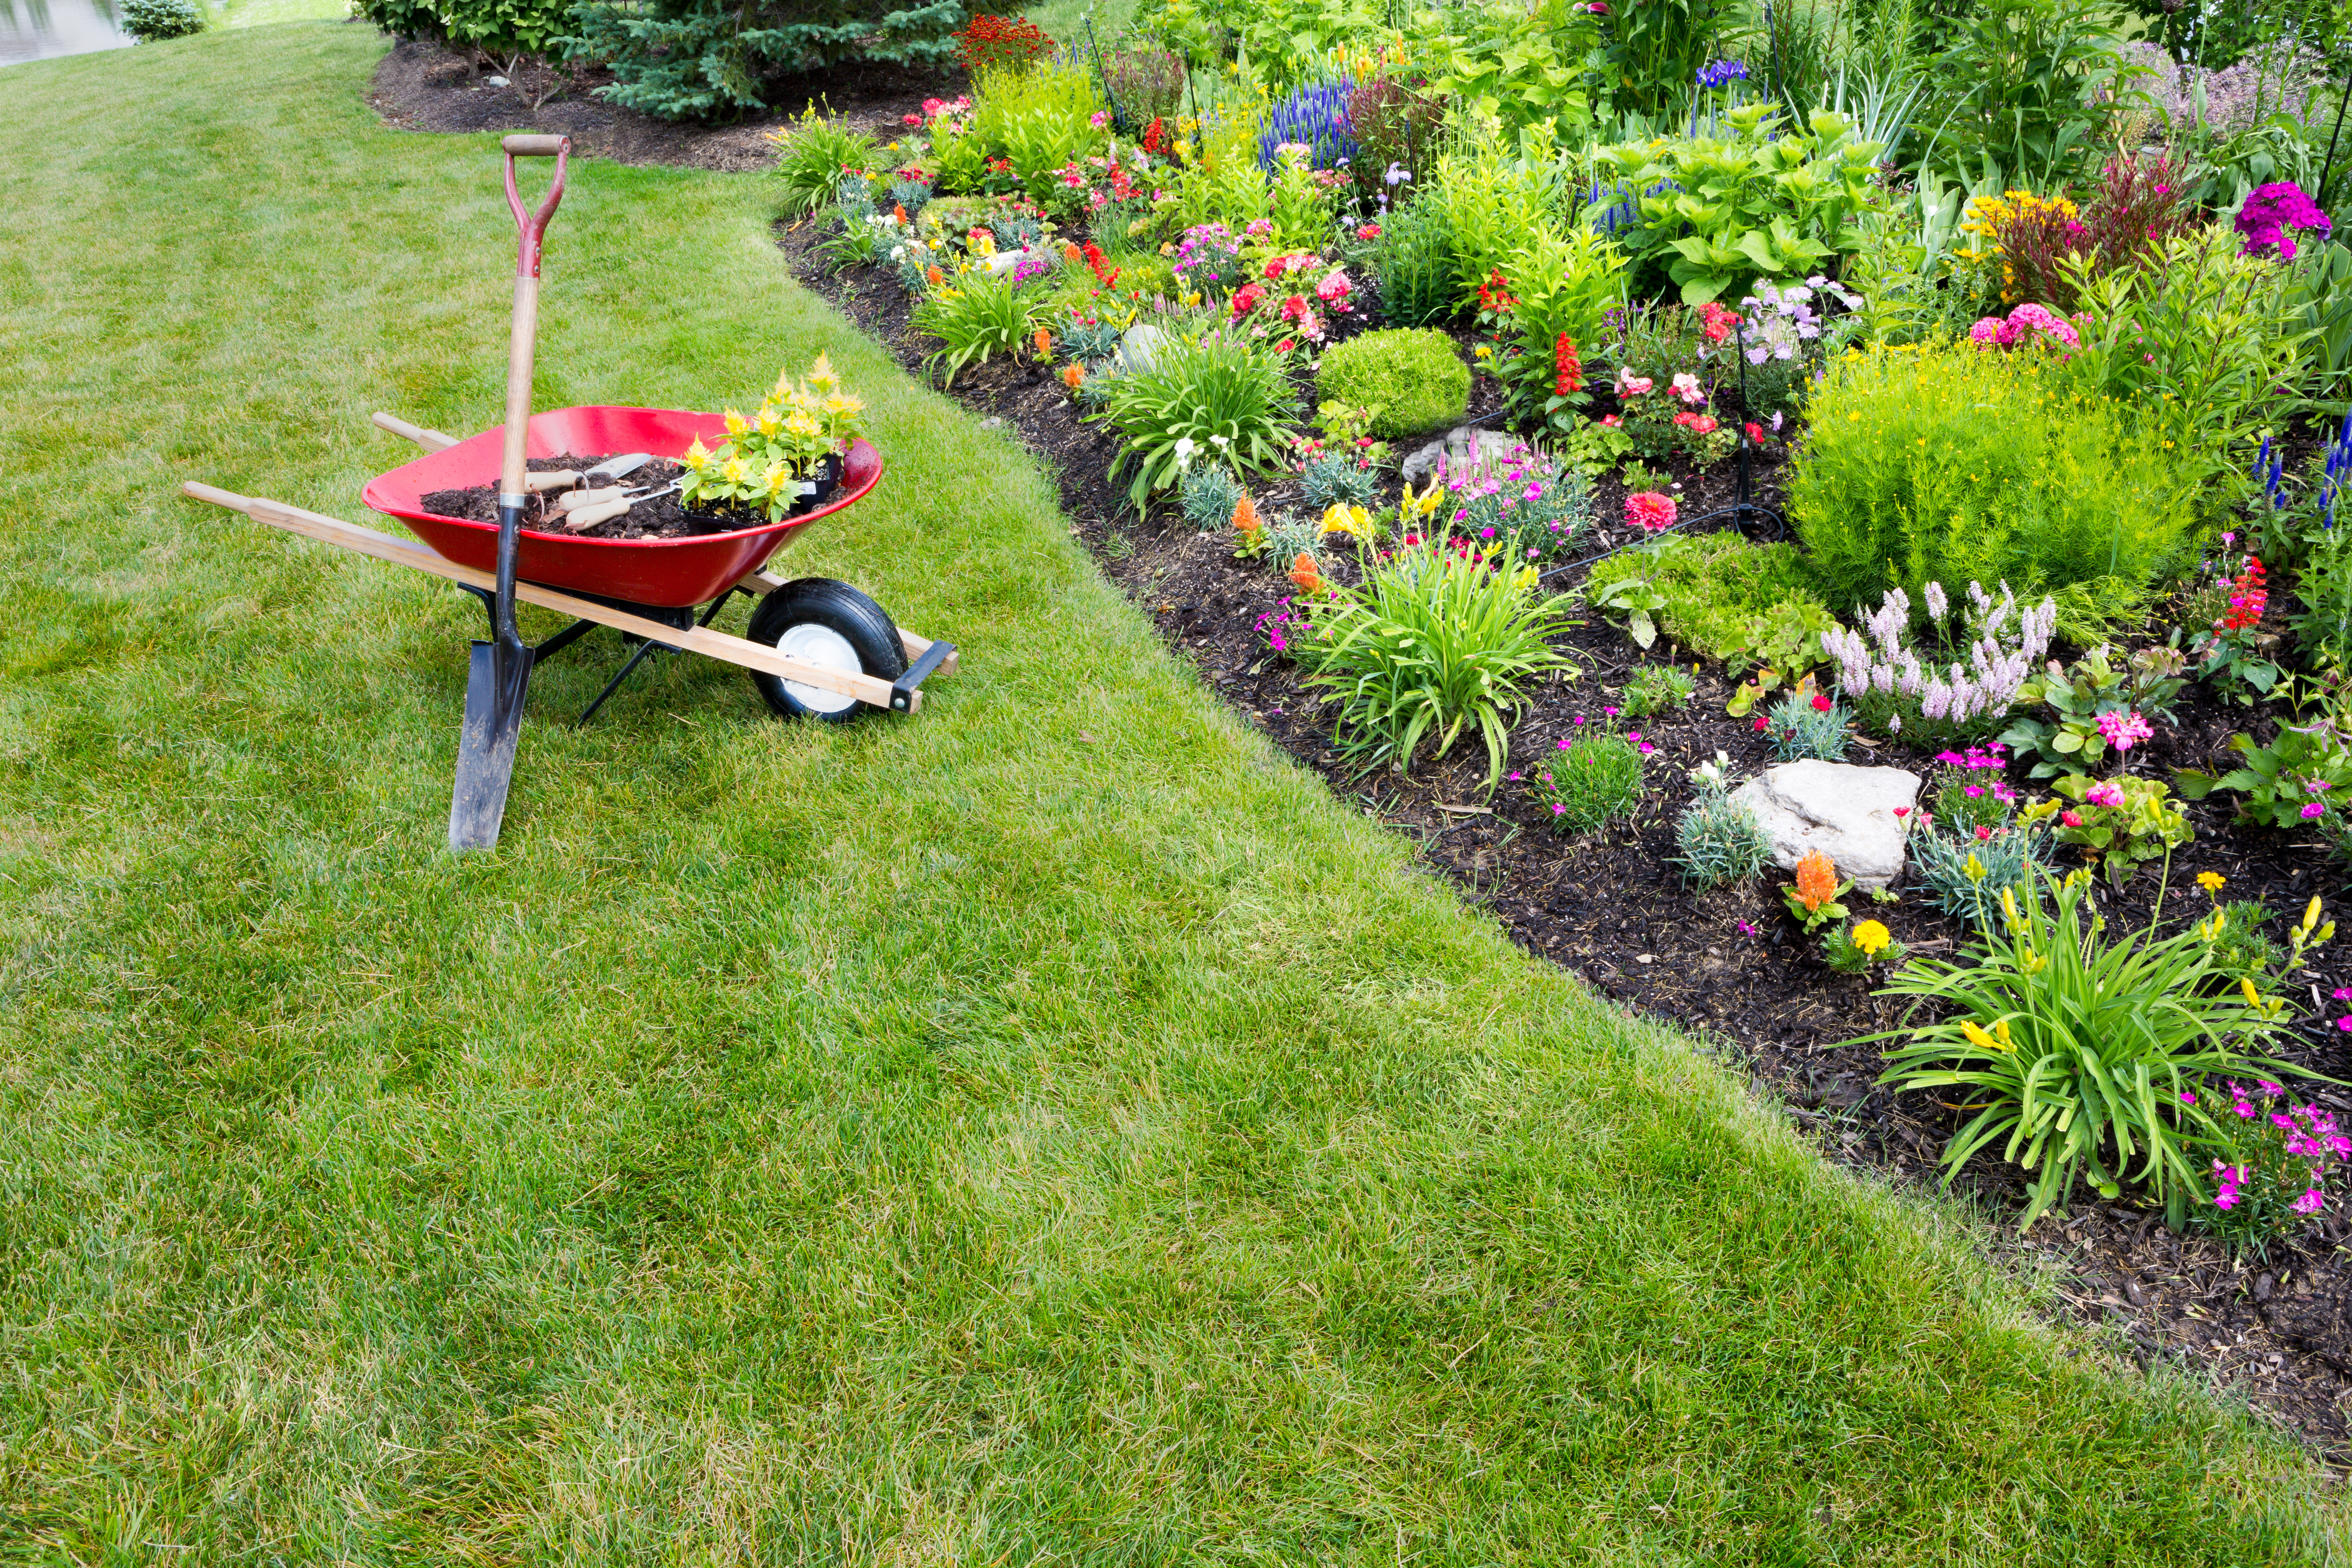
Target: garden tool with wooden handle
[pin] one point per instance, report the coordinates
(609, 472)
(586, 508)
(499, 677)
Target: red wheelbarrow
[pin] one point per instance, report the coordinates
(815, 647)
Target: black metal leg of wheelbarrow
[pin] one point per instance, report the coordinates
(644, 648)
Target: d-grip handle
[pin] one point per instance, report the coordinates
(511, 493)
(535, 146)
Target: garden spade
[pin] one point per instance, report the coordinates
(499, 675)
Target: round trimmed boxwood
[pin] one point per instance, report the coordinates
(1414, 376)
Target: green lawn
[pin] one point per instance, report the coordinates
(1051, 1130)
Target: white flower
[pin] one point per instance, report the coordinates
(1185, 447)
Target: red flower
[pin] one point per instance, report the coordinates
(1983, 833)
(911, 119)
(1756, 432)
(1820, 703)
(1369, 231)
(1568, 372)
(1902, 811)
(1152, 135)
(1762, 722)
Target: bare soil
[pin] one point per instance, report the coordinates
(422, 86)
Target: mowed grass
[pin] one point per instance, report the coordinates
(1048, 1131)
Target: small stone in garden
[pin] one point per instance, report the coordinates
(494, 81)
(992, 422)
(1005, 261)
(1142, 344)
(1845, 812)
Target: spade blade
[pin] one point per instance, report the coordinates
(495, 681)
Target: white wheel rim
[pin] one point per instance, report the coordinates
(827, 650)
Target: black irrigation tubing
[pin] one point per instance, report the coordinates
(2327, 169)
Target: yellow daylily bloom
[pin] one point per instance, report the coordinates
(1351, 520)
(2310, 915)
(1984, 1042)
(1974, 867)
(2009, 907)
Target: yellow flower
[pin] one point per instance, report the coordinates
(1871, 937)
(822, 377)
(2310, 915)
(767, 421)
(2009, 907)
(1974, 867)
(2254, 997)
(697, 455)
(1352, 521)
(733, 472)
(1984, 1042)
(776, 477)
(840, 405)
(735, 424)
(2210, 881)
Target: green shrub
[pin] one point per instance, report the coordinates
(1210, 492)
(1411, 378)
(1217, 392)
(815, 156)
(151, 21)
(1413, 261)
(1435, 642)
(977, 316)
(711, 59)
(1713, 584)
(1040, 118)
(1801, 728)
(1657, 689)
(1953, 464)
(1593, 780)
(1718, 841)
(2080, 1052)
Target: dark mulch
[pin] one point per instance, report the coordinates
(1609, 907)
(427, 87)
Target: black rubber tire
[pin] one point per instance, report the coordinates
(836, 607)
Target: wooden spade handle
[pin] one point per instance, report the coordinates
(532, 146)
(431, 440)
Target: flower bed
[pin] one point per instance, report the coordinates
(1548, 662)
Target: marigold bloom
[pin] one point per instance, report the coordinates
(1816, 880)
(1871, 937)
(2210, 881)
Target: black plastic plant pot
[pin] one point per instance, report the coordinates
(728, 519)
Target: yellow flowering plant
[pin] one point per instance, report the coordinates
(2081, 1056)
(1857, 949)
(770, 457)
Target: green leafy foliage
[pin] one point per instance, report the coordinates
(1559, 289)
(1413, 379)
(1656, 688)
(2303, 767)
(1714, 589)
(1592, 780)
(1519, 66)
(2024, 86)
(1950, 464)
(815, 157)
(1413, 259)
(1040, 119)
(2064, 737)
(974, 317)
(1765, 200)
(713, 59)
(150, 21)
(1718, 840)
(1439, 639)
(1217, 392)
(2083, 1053)
(1964, 875)
(2121, 823)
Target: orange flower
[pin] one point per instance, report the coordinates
(1816, 880)
(1044, 342)
(935, 275)
(1245, 521)
(1073, 375)
(898, 211)
(1072, 253)
(1305, 575)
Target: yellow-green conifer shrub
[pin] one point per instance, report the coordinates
(1952, 463)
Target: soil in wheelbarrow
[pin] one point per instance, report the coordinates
(656, 517)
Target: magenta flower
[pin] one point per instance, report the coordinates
(2123, 731)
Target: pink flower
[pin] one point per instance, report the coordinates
(1986, 333)
(2071, 818)
(1369, 231)
(1611, 421)
(1762, 722)
(1333, 288)
(1631, 385)
(1650, 511)
(1686, 387)
(1820, 703)
(1902, 811)
(2124, 730)
(2309, 1203)
(2315, 811)
(2104, 794)
(910, 119)
(1983, 833)
(1099, 118)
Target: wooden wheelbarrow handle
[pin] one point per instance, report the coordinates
(431, 440)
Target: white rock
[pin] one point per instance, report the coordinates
(1005, 261)
(1460, 444)
(494, 81)
(1142, 344)
(1845, 812)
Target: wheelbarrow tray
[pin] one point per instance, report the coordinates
(669, 574)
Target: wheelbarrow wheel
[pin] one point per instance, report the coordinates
(826, 622)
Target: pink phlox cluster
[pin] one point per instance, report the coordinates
(2026, 324)
(2272, 217)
